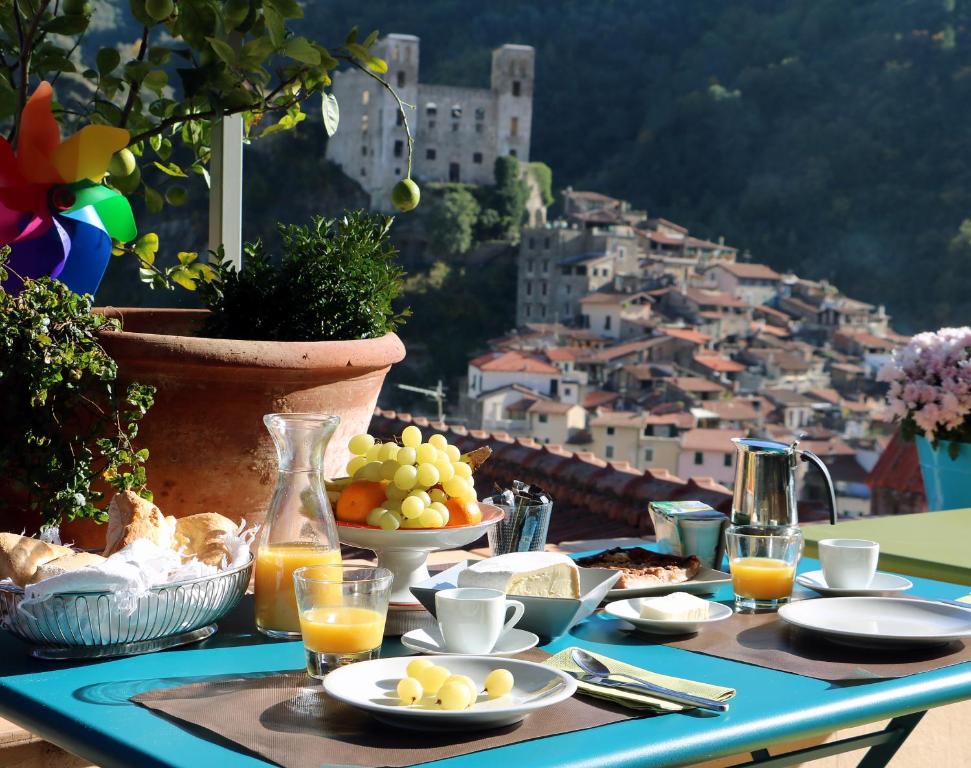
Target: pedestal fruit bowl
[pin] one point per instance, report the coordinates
(405, 551)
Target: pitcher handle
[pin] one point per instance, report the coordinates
(813, 459)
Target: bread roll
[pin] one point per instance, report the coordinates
(66, 563)
(203, 536)
(131, 517)
(21, 556)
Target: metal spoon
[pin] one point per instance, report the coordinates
(601, 673)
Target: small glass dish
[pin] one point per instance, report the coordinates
(342, 611)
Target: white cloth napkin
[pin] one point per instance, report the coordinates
(131, 572)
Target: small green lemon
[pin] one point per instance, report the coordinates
(76, 7)
(159, 10)
(405, 195)
(122, 163)
(126, 184)
(176, 195)
(236, 11)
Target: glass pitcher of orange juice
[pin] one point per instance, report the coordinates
(299, 529)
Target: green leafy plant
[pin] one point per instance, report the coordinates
(336, 279)
(66, 425)
(195, 62)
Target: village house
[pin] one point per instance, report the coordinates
(873, 350)
(791, 409)
(616, 315)
(709, 453)
(559, 265)
(555, 422)
(752, 283)
(641, 439)
(713, 313)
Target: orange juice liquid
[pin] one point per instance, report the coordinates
(341, 629)
(276, 605)
(762, 578)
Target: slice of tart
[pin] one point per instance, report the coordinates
(642, 568)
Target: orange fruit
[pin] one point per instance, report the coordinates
(357, 499)
(463, 512)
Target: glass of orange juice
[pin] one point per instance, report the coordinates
(342, 609)
(763, 564)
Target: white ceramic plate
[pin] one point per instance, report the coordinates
(881, 584)
(370, 685)
(705, 582)
(875, 622)
(630, 611)
(430, 641)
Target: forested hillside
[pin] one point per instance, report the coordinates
(826, 136)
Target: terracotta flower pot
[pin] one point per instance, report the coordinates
(208, 448)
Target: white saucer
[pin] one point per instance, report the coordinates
(429, 640)
(882, 582)
(630, 611)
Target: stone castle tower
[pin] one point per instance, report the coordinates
(459, 132)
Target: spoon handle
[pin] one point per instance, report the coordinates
(666, 694)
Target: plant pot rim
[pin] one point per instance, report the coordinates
(172, 346)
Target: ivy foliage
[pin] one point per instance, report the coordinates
(335, 279)
(543, 176)
(66, 426)
(451, 222)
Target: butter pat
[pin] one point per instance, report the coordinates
(528, 574)
(678, 606)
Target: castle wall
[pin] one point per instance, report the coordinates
(371, 145)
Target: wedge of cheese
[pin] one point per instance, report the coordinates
(528, 574)
(678, 606)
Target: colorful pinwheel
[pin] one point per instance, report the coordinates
(55, 214)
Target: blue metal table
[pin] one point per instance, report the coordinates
(84, 707)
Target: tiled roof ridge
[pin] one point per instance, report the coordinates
(581, 483)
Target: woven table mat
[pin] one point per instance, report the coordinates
(766, 640)
(287, 719)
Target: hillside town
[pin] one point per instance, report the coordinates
(650, 349)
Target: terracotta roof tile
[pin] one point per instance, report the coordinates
(749, 271)
(712, 440)
(598, 397)
(706, 297)
(561, 354)
(512, 362)
(695, 384)
(686, 334)
(593, 498)
(732, 410)
(719, 363)
(551, 406)
(898, 468)
(632, 419)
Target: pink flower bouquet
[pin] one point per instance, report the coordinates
(930, 385)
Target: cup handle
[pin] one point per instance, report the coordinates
(518, 609)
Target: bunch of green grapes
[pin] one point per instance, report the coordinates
(448, 691)
(419, 478)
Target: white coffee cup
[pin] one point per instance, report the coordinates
(848, 563)
(472, 619)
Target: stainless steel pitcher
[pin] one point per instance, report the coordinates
(765, 482)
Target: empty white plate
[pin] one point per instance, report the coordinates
(630, 610)
(875, 622)
(371, 685)
(882, 582)
(429, 640)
